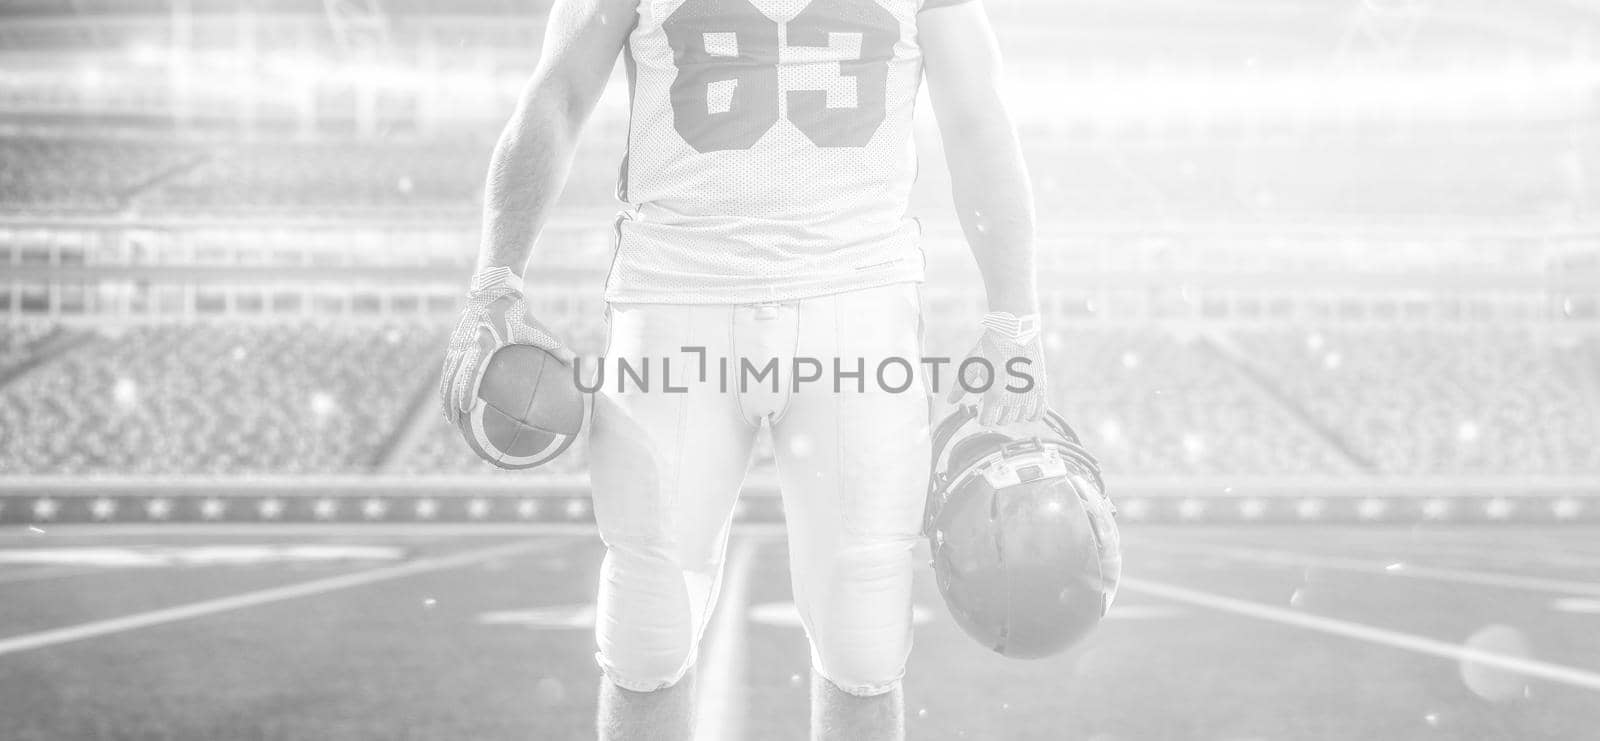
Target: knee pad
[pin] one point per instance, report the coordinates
(650, 616)
(863, 681)
(860, 621)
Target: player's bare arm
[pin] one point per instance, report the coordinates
(582, 41)
(993, 198)
(526, 174)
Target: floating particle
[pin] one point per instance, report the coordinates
(1487, 680)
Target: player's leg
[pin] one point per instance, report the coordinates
(853, 465)
(663, 715)
(666, 467)
(837, 715)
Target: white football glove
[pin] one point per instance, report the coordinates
(1005, 338)
(496, 315)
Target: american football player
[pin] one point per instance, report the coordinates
(766, 179)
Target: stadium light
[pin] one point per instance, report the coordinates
(146, 53)
(89, 76)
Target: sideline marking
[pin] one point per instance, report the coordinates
(1361, 632)
(721, 692)
(550, 616)
(1400, 568)
(786, 615)
(1577, 605)
(203, 555)
(1143, 612)
(341, 530)
(1398, 544)
(252, 599)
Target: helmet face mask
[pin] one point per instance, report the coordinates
(1024, 546)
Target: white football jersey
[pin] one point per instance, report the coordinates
(770, 154)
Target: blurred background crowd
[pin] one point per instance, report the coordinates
(1321, 239)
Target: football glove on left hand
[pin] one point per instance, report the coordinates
(1000, 406)
(496, 315)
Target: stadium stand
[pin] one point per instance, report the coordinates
(326, 177)
(1483, 400)
(26, 343)
(238, 398)
(1158, 402)
(84, 174)
(213, 399)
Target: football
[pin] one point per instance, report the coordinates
(527, 409)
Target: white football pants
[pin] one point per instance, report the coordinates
(668, 462)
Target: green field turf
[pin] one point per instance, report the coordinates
(499, 646)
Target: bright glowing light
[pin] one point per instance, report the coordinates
(1468, 431)
(1194, 446)
(1332, 361)
(1110, 431)
(322, 404)
(146, 53)
(89, 76)
(1130, 360)
(125, 393)
(1314, 342)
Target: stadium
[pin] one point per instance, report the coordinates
(1321, 286)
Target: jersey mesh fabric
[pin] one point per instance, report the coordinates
(776, 217)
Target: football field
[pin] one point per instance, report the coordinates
(484, 632)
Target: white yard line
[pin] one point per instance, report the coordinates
(1400, 567)
(720, 677)
(47, 573)
(257, 598)
(1502, 553)
(1380, 636)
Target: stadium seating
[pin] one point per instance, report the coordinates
(242, 398)
(83, 174)
(326, 177)
(1153, 402)
(1469, 401)
(214, 399)
(23, 342)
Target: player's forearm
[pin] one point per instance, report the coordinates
(994, 202)
(526, 176)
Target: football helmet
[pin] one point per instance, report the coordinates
(1025, 547)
